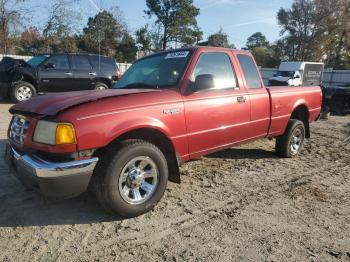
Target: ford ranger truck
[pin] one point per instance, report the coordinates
(168, 108)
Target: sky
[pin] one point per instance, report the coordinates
(238, 18)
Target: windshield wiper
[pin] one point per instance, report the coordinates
(140, 85)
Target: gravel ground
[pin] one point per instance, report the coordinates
(242, 204)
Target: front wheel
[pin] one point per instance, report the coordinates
(291, 142)
(22, 91)
(131, 179)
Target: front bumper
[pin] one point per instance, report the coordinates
(4, 89)
(62, 180)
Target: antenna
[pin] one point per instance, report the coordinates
(99, 31)
(99, 46)
(99, 42)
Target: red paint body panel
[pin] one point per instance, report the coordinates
(54, 103)
(204, 121)
(285, 99)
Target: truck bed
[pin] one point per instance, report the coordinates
(284, 99)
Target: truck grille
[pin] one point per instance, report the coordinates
(18, 129)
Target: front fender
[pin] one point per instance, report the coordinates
(138, 123)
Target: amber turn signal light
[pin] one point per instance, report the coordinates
(65, 134)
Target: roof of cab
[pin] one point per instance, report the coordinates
(204, 48)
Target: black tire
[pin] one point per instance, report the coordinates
(101, 86)
(18, 96)
(286, 145)
(108, 174)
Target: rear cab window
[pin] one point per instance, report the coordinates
(250, 71)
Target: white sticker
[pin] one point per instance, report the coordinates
(180, 54)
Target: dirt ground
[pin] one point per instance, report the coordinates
(242, 204)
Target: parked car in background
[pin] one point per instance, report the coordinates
(298, 74)
(167, 108)
(337, 99)
(47, 73)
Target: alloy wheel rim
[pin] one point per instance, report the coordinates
(23, 93)
(138, 180)
(296, 141)
(101, 88)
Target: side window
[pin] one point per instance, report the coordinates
(250, 72)
(60, 62)
(80, 63)
(104, 63)
(219, 65)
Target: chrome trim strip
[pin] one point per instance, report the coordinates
(119, 111)
(279, 117)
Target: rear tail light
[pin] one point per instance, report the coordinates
(118, 75)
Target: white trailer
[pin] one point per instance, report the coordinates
(298, 74)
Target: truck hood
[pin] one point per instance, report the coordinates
(52, 104)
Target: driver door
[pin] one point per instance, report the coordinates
(219, 116)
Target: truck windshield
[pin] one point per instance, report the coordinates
(37, 60)
(286, 73)
(157, 71)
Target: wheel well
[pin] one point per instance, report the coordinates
(158, 139)
(29, 80)
(302, 113)
(104, 81)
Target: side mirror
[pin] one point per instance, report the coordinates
(203, 82)
(49, 66)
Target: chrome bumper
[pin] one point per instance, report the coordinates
(52, 179)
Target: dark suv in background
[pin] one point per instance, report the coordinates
(46, 73)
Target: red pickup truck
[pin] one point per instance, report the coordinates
(168, 108)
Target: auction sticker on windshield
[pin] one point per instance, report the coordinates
(180, 54)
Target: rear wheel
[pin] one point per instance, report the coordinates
(22, 91)
(291, 142)
(131, 180)
(101, 86)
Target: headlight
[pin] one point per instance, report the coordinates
(52, 133)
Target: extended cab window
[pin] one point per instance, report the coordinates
(60, 62)
(250, 72)
(80, 62)
(219, 66)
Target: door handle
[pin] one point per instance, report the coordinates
(68, 74)
(92, 74)
(241, 99)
